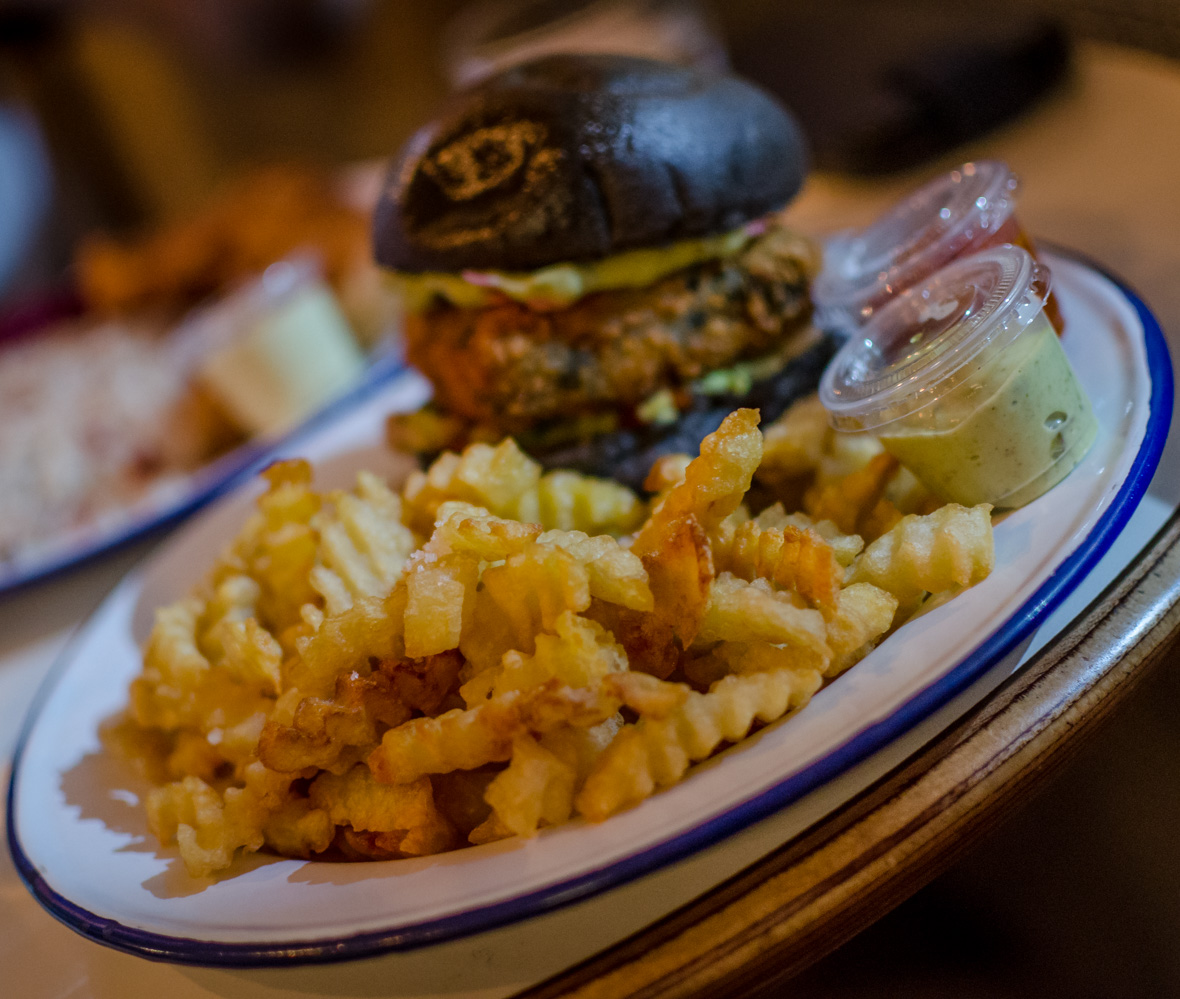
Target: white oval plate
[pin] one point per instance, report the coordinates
(76, 827)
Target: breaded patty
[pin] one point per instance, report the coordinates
(513, 367)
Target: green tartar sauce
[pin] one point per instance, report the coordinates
(1005, 436)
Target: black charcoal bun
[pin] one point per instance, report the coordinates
(574, 157)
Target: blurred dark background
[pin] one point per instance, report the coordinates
(144, 107)
(128, 114)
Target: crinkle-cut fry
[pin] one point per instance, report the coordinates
(236, 736)
(525, 595)
(949, 548)
(498, 477)
(192, 813)
(267, 788)
(579, 654)
(283, 568)
(795, 443)
(551, 705)
(172, 653)
(656, 752)
(355, 799)
(864, 613)
(579, 748)
(466, 739)
(311, 617)
(775, 516)
(370, 628)
(279, 547)
(848, 500)
(455, 740)
(502, 479)
(210, 828)
(372, 516)
(289, 498)
(536, 788)
(844, 546)
(288, 501)
(519, 598)
(489, 830)
(883, 517)
(715, 481)
(752, 611)
(556, 582)
(234, 599)
(616, 574)
(463, 528)
(794, 558)
(646, 695)
(679, 562)
(297, 829)
(649, 641)
(433, 837)
(493, 631)
(569, 501)
(424, 492)
(439, 592)
(192, 755)
(329, 585)
(174, 670)
(509, 484)
(379, 498)
(362, 539)
(674, 543)
(667, 472)
(320, 732)
(252, 655)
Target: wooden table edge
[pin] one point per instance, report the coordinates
(816, 891)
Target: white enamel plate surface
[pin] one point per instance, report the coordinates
(76, 827)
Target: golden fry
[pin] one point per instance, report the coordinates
(850, 500)
(952, 547)
(656, 751)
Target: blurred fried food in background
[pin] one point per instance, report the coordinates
(259, 218)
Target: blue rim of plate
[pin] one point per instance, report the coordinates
(1020, 625)
(202, 487)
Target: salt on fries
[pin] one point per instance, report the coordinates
(494, 650)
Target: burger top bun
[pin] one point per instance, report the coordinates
(575, 157)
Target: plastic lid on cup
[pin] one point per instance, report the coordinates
(932, 337)
(864, 268)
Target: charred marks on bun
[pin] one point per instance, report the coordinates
(577, 157)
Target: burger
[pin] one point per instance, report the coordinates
(591, 256)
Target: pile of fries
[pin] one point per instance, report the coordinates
(494, 650)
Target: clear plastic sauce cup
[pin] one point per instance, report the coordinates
(964, 380)
(971, 208)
